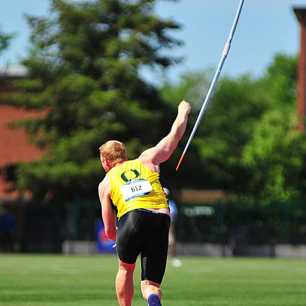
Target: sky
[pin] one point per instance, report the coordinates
(266, 27)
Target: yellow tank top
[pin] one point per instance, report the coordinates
(133, 185)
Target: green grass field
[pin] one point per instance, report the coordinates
(89, 281)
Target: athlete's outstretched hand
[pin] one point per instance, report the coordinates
(184, 107)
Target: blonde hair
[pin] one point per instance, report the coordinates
(114, 151)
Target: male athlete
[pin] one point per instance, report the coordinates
(131, 191)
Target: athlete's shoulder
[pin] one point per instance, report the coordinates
(104, 184)
(147, 162)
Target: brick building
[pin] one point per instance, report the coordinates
(300, 13)
(15, 144)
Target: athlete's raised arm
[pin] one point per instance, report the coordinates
(108, 213)
(165, 148)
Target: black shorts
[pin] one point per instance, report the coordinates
(146, 233)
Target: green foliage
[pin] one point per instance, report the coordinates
(248, 142)
(84, 71)
(276, 151)
(280, 80)
(5, 41)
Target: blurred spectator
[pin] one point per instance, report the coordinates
(172, 239)
(104, 245)
(7, 230)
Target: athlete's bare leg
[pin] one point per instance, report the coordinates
(150, 289)
(124, 283)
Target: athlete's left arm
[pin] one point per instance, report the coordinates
(108, 213)
(165, 148)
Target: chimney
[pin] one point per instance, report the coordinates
(300, 13)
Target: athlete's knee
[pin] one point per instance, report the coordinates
(125, 272)
(126, 267)
(149, 287)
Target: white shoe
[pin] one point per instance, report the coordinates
(176, 262)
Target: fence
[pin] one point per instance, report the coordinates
(44, 227)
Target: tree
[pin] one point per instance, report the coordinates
(275, 155)
(214, 157)
(4, 41)
(277, 150)
(247, 137)
(85, 71)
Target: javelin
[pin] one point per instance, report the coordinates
(210, 92)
